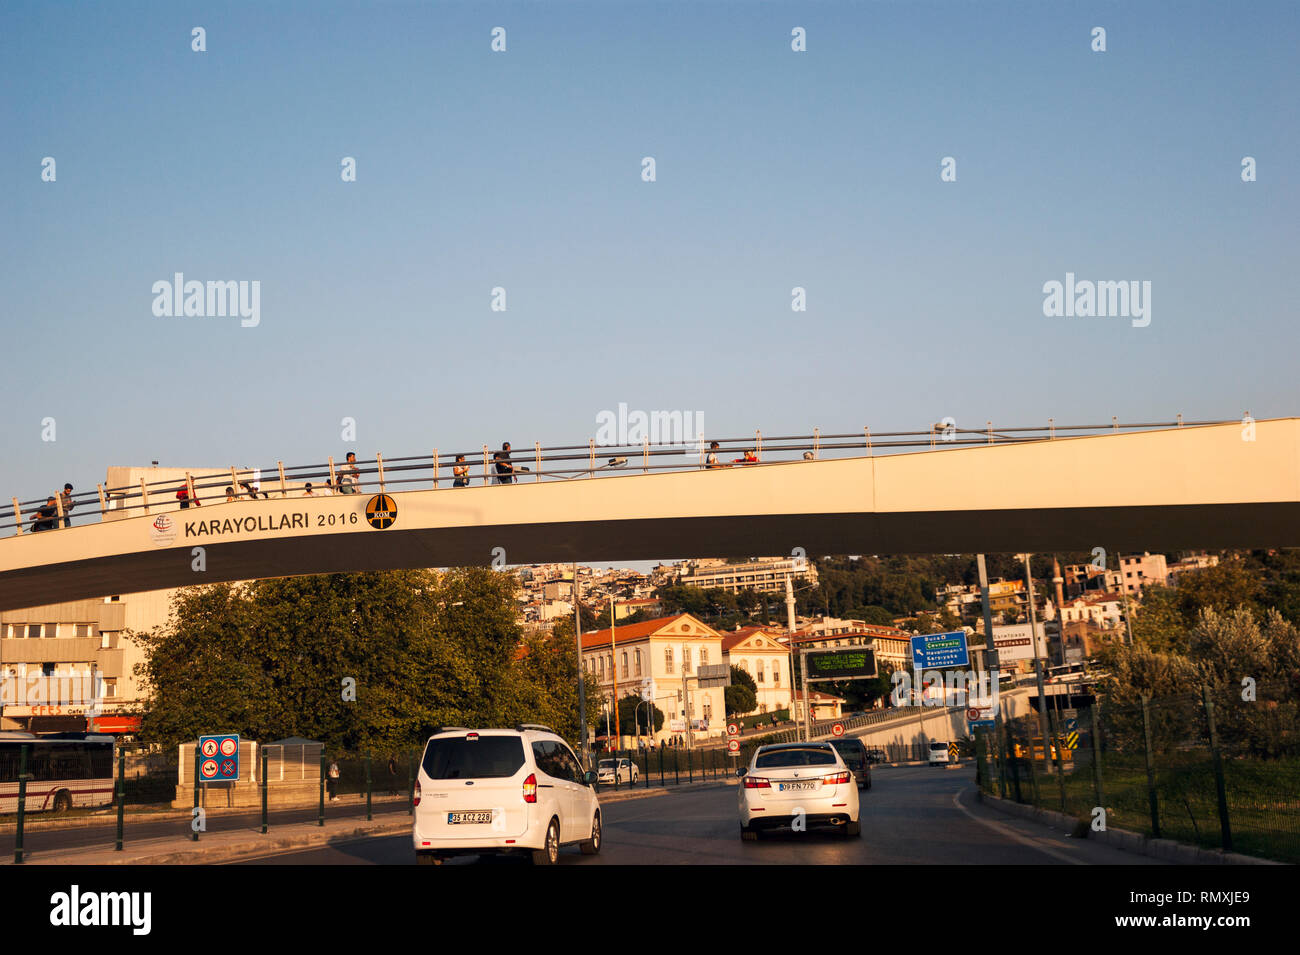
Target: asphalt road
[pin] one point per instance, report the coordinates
(915, 815)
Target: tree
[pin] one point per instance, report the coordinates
(630, 716)
(740, 677)
(740, 699)
(371, 661)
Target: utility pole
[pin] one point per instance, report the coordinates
(789, 625)
(686, 703)
(582, 689)
(1038, 672)
(614, 651)
(807, 697)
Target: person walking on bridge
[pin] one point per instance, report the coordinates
(461, 471)
(505, 468)
(350, 476)
(46, 517)
(68, 505)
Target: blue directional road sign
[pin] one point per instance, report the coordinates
(931, 651)
(218, 758)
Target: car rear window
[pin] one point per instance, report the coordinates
(936, 747)
(488, 757)
(795, 757)
(851, 750)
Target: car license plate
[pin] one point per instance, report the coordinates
(461, 818)
(797, 787)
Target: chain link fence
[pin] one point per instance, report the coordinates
(1218, 769)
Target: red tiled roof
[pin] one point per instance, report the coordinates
(636, 631)
(733, 637)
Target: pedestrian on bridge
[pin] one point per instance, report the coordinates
(505, 468)
(46, 517)
(461, 471)
(183, 495)
(350, 476)
(68, 505)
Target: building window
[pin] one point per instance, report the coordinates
(744, 665)
(776, 673)
(33, 631)
(668, 659)
(84, 630)
(624, 664)
(704, 656)
(610, 658)
(602, 668)
(110, 688)
(638, 662)
(47, 669)
(686, 659)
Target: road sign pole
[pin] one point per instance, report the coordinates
(410, 784)
(807, 696)
(369, 815)
(193, 828)
(322, 787)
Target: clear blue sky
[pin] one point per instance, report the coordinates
(522, 170)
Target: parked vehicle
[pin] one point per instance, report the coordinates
(65, 770)
(626, 771)
(803, 784)
(503, 791)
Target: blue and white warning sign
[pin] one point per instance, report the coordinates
(220, 762)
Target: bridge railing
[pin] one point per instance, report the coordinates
(477, 468)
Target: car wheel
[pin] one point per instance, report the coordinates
(550, 853)
(592, 845)
(748, 834)
(852, 829)
(427, 858)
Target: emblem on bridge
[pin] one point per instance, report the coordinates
(381, 511)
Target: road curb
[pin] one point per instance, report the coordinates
(1167, 850)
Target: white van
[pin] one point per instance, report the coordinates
(938, 753)
(517, 790)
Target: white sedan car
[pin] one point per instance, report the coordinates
(797, 786)
(627, 771)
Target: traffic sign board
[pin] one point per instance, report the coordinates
(733, 729)
(933, 650)
(1072, 741)
(952, 752)
(837, 729)
(225, 770)
(733, 746)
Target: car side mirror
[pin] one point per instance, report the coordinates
(741, 771)
(589, 778)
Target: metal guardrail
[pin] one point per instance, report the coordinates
(560, 463)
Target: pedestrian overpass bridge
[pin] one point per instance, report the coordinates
(1136, 487)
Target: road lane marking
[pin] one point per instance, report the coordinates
(1012, 834)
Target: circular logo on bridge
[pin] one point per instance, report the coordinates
(838, 729)
(228, 747)
(381, 511)
(162, 530)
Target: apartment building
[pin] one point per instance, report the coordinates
(762, 575)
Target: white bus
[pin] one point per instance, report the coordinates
(65, 770)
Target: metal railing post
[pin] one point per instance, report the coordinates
(121, 798)
(758, 445)
(537, 462)
(435, 469)
(261, 751)
(379, 463)
(234, 480)
(284, 490)
(485, 465)
(144, 496)
(1151, 773)
(103, 502)
(369, 815)
(1221, 792)
(18, 514)
(591, 457)
(22, 803)
(333, 482)
(321, 816)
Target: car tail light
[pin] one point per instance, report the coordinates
(835, 779)
(530, 788)
(416, 800)
(757, 782)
